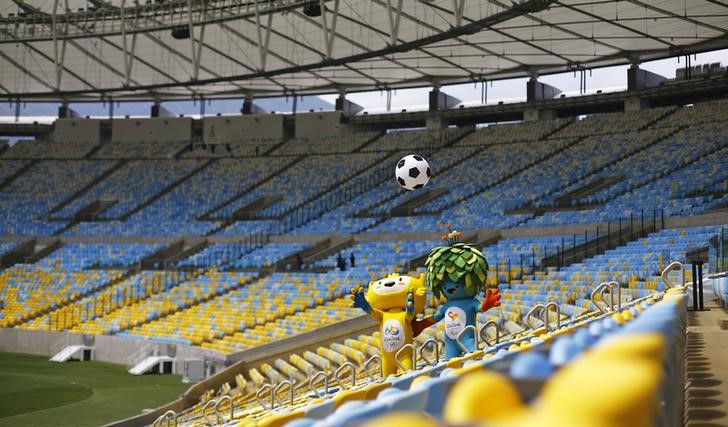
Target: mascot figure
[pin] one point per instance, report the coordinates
(393, 301)
(457, 272)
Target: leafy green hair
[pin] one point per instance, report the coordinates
(459, 262)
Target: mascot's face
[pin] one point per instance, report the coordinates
(391, 292)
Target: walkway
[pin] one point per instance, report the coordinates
(706, 385)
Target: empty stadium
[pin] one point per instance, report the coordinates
(202, 200)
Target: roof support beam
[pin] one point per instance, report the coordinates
(329, 33)
(195, 52)
(59, 53)
(128, 53)
(458, 7)
(263, 42)
(394, 20)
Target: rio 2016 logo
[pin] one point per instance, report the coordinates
(391, 330)
(392, 336)
(454, 322)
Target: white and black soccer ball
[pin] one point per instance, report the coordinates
(412, 172)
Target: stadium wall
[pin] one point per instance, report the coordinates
(107, 348)
(77, 130)
(152, 130)
(232, 129)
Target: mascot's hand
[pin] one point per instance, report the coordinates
(492, 299)
(359, 300)
(410, 303)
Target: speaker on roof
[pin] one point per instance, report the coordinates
(312, 8)
(182, 32)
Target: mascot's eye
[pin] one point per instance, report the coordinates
(400, 279)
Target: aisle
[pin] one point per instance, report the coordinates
(706, 386)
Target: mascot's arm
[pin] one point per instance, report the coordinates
(359, 300)
(492, 299)
(420, 325)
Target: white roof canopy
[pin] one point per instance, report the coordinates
(87, 49)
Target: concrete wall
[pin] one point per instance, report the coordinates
(229, 129)
(151, 130)
(77, 130)
(108, 348)
(326, 123)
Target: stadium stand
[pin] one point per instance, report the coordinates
(229, 295)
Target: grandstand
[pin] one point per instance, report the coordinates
(224, 248)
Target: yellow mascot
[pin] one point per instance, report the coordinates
(393, 301)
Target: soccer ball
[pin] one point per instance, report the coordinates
(412, 172)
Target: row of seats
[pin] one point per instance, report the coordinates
(48, 150)
(184, 294)
(220, 322)
(325, 144)
(140, 149)
(242, 148)
(123, 293)
(302, 181)
(80, 256)
(512, 132)
(132, 184)
(28, 289)
(39, 189)
(10, 167)
(678, 167)
(416, 140)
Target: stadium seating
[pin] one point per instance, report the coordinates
(80, 256)
(512, 132)
(47, 183)
(324, 145)
(243, 148)
(49, 150)
(303, 181)
(176, 297)
(9, 167)
(140, 150)
(145, 177)
(28, 290)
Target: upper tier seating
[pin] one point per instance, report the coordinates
(9, 167)
(46, 184)
(140, 150)
(609, 123)
(48, 150)
(79, 256)
(325, 145)
(131, 185)
(303, 181)
(512, 132)
(424, 141)
(243, 148)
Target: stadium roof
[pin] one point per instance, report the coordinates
(236, 48)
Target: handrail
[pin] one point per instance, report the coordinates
(337, 374)
(368, 362)
(414, 357)
(437, 352)
(220, 418)
(615, 285)
(557, 309)
(210, 404)
(166, 417)
(482, 333)
(312, 383)
(531, 313)
(596, 292)
(289, 383)
(665, 274)
(260, 391)
(475, 337)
